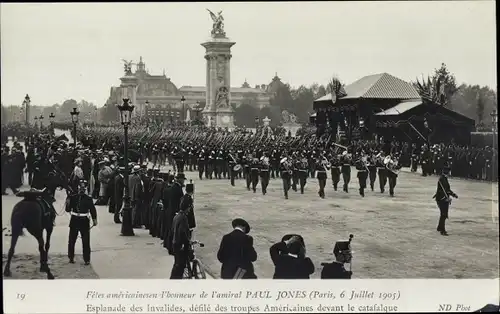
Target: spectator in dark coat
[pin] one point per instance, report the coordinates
(289, 258)
(236, 252)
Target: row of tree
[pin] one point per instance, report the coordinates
(473, 101)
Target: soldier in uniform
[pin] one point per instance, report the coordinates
(392, 175)
(414, 157)
(362, 173)
(231, 164)
(201, 163)
(295, 171)
(346, 170)
(303, 167)
(254, 173)
(247, 161)
(286, 175)
(80, 205)
(372, 170)
(443, 199)
(219, 164)
(382, 172)
(321, 175)
(264, 173)
(335, 170)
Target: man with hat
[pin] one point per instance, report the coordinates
(443, 199)
(76, 175)
(236, 252)
(289, 258)
(104, 177)
(175, 195)
(80, 205)
(136, 188)
(119, 189)
(336, 269)
(179, 237)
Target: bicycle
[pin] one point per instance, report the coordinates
(194, 269)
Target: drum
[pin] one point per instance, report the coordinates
(237, 168)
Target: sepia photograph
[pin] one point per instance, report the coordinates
(249, 140)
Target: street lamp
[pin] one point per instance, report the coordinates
(27, 102)
(125, 114)
(41, 120)
(183, 103)
(74, 119)
(494, 120)
(36, 120)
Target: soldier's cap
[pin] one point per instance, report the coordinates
(240, 222)
(77, 160)
(83, 182)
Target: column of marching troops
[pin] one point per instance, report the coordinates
(156, 196)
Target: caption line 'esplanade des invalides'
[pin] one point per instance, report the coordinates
(162, 94)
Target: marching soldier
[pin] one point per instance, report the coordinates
(382, 172)
(443, 199)
(414, 157)
(335, 170)
(295, 171)
(80, 205)
(392, 174)
(372, 170)
(246, 170)
(219, 165)
(346, 170)
(286, 175)
(201, 163)
(254, 173)
(321, 175)
(232, 163)
(264, 173)
(303, 167)
(362, 173)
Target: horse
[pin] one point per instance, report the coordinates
(30, 213)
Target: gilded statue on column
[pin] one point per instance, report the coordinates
(218, 24)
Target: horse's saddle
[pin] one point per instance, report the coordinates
(40, 198)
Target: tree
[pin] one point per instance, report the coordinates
(5, 116)
(480, 104)
(448, 80)
(66, 107)
(244, 115)
(303, 98)
(282, 99)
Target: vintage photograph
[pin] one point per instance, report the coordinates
(298, 140)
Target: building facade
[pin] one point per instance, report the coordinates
(159, 99)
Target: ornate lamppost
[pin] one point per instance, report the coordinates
(74, 119)
(26, 103)
(125, 114)
(494, 121)
(41, 121)
(51, 121)
(183, 104)
(36, 122)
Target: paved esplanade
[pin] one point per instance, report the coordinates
(113, 256)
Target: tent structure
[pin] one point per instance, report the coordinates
(378, 103)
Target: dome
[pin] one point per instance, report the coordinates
(276, 83)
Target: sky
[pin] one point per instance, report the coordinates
(55, 52)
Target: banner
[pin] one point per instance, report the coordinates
(248, 296)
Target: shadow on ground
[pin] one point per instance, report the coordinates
(27, 266)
